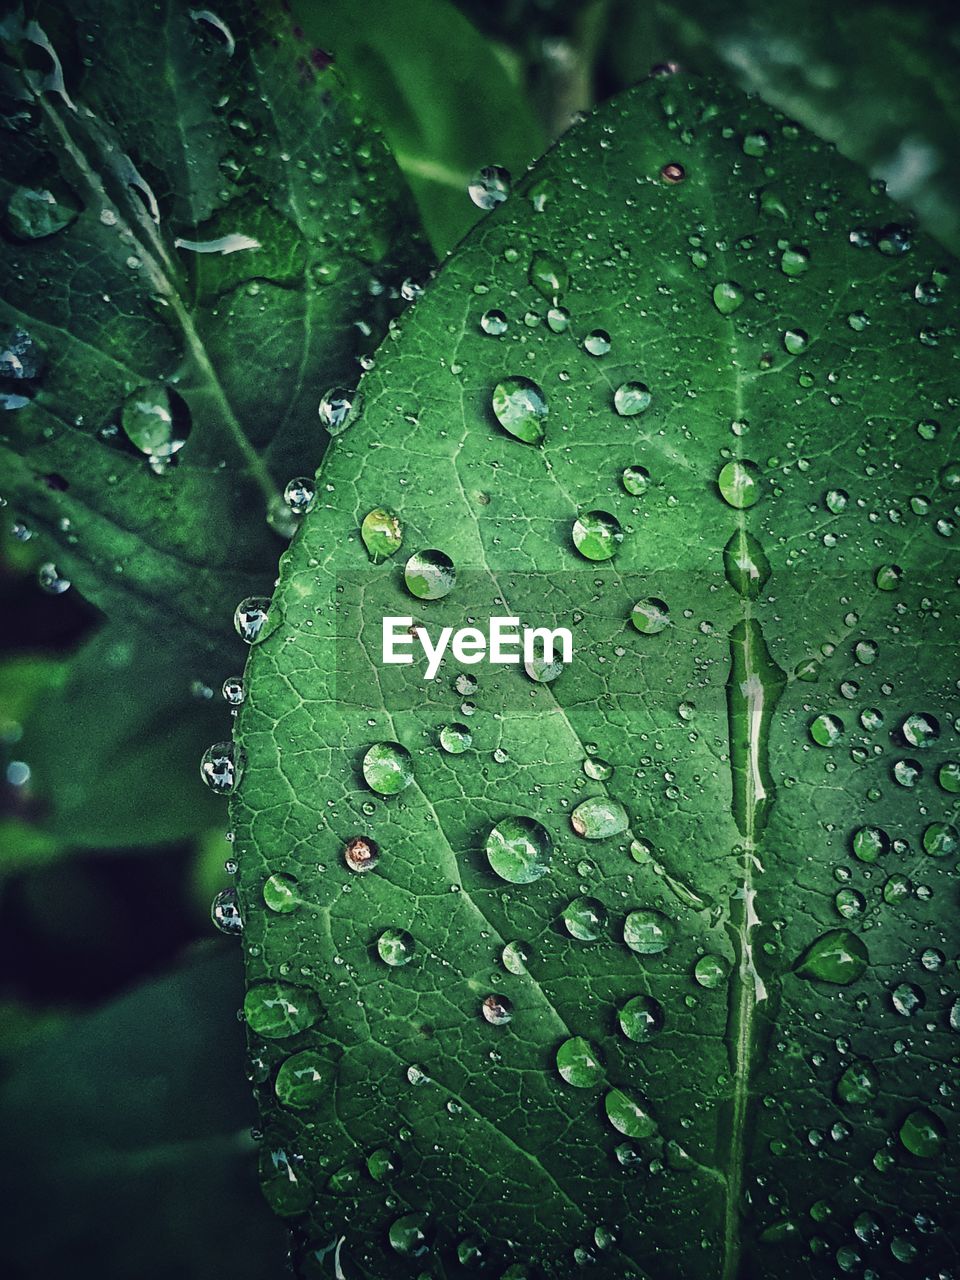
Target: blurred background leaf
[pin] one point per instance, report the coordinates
(131, 1129)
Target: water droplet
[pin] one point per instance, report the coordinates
(756, 144)
(941, 840)
(837, 956)
(859, 1083)
(396, 947)
(631, 398)
(412, 1234)
(156, 420)
(923, 1134)
(382, 1164)
(584, 919)
(711, 971)
(51, 580)
(519, 850)
(548, 275)
(907, 772)
(628, 1116)
(888, 577)
(597, 769)
(281, 893)
(870, 843)
(745, 564)
(35, 213)
(493, 322)
(225, 912)
(727, 297)
(579, 1063)
(489, 187)
(597, 342)
(520, 407)
(251, 618)
(429, 575)
(795, 261)
(516, 956)
(361, 854)
(387, 768)
(382, 533)
(648, 932)
(849, 903)
(673, 173)
(920, 730)
(599, 818)
(636, 480)
(558, 319)
(796, 341)
(826, 730)
(650, 616)
(338, 408)
(739, 483)
(858, 321)
(221, 767)
(641, 1018)
(303, 1080)
(455, 738)
(948, 775)
(234, 691)
(497, 1010)
(907, 999)
(894, 240)
(597, 534)
(300, 494)
(279, 1009)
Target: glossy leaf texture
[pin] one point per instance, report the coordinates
(644, 962)
(199, 239)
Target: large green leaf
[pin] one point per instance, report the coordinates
(777, 721)
(133, 1154)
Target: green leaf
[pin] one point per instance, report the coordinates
(448, 104)
(237, 238)
(114, 752)
(629, 1044)
(131, 1131)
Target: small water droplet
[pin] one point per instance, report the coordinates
(382, 533)
(221, 767)
(338, 408)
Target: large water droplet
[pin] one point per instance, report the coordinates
(923, 1134)
(548, 275)
(579, 1063)
(727, 297)
(648, 932)
(395, 947)
(156, 420)
(599, 818)
(628, 1116)
(520, 407)
(497, 1010)
(826, 730)
(225, 912)
(303, 1080)
(221, 767)
(859, 1083)
(490, 186)
(745, 564)
(739, 483)
(641, 1018)
(281, 893)
(940, 840)
(650, 616)
(711, 971)
(869, 843)
(251, 618)
(361, 854)
(338, 408)
(382, 533)
(455, 738)
(584, 919)
(35, 213)
(837, 956)
(516, 956)
(597, 534)
(631, 398)
(387, 768)
(429, 575)
(921, 730)
(300, 494)
(411, 1235)
(519, 850)
(279, 1009)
